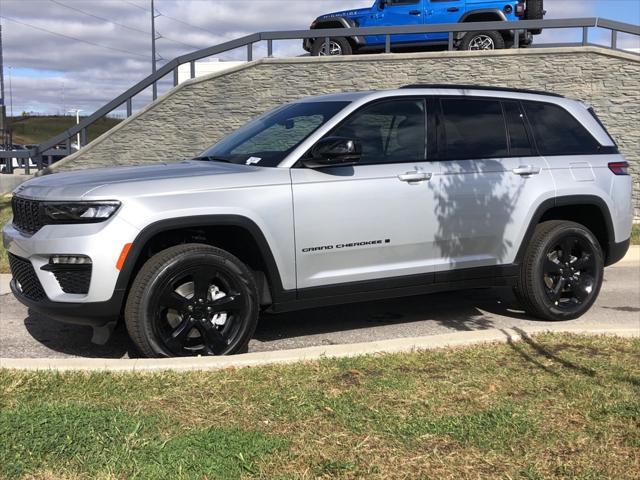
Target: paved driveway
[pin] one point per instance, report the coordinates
(29, 335)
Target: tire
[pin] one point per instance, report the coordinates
(339, 45)
(477, 40)
(562, 271)
(535, 11)
(190, 300)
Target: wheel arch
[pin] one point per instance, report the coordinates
(237, 234)
(588, 210)
(341, 22)
(485, 15)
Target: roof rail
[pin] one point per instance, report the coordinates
(481, 87)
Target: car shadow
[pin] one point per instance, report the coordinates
(409, 316)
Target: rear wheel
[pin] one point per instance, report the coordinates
(337, 46)
(192, 300)
(562, 271)
(482, 41)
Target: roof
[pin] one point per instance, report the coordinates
(479, 87)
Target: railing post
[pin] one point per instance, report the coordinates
(327, 46)
(176, 76)
(155, 90)
(585, 36)
(192, 67)
(270, 48)
(67, 146)
(129, 107)
(516, 39)
(387, 43)
(83, 138)
(38, 162)
(250, 52)
(614, 39)
(450, 47)
(27, 165)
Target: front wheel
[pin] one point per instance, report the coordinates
(337, 46)
(482, 41)
(192, 300)
(562, 271)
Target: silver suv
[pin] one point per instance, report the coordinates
(329, 200)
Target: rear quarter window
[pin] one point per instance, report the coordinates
(557, 132)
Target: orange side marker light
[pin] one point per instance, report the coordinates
(123, 255)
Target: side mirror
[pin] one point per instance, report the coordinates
(331, 151)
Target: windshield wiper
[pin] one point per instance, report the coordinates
(213, 159)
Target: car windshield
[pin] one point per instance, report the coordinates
(267, 140)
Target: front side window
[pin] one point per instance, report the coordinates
(267, 140)
(390, 131)
(557, 132)
(473, 128)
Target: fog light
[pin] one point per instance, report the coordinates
(70, 260)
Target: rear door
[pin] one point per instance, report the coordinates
(443, 11)
(492, 180)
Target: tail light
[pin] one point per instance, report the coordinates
(619, 168)
(520, 8)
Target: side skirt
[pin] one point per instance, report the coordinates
(482, 277)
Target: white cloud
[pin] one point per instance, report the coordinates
(93, 75)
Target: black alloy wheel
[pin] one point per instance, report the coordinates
(192, 300)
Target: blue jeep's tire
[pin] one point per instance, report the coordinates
(482, 41)
(337, 46)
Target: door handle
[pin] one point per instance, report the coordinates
(526, 170)
(415, 176)
(453, 9)
(414, 12)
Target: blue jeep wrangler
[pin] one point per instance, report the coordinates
(419, 12)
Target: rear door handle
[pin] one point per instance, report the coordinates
(453, 9)
(525, 170)
(415, 176)
(414, 12)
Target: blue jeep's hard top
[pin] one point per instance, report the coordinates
(426, 12)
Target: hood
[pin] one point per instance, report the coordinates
(358, 12)
(75, 185)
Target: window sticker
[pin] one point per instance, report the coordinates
(253, 160)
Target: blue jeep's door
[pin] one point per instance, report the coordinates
(398, 13)
(443, 11)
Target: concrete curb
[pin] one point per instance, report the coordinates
(457, 339)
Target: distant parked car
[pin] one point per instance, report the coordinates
(385, 13)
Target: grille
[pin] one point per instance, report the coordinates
(74, 279)
(27, 215)
(25, 275)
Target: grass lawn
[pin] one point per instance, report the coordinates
(32, 130)
(556, 406)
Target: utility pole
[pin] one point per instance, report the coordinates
(10, 95)
(153, 48)
(3, 108)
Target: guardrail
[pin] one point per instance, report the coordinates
(171, 68)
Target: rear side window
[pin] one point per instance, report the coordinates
(557, 132)
(473, 128)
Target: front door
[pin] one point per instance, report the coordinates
(373, 220)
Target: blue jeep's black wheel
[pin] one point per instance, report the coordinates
(337, 46)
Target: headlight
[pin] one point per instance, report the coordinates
(79, 212)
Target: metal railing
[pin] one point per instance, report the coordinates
(452, 30)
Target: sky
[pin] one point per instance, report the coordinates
(102, 47)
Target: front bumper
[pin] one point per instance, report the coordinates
(101, 242)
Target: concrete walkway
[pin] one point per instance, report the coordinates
(459, 339)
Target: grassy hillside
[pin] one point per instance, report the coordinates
(27, 130)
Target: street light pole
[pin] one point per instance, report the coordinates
(77, 112)
(153, 48)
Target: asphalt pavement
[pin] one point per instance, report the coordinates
(28, 335)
